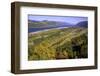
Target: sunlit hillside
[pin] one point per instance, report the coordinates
(52, 44)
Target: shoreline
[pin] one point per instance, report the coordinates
(46, 30)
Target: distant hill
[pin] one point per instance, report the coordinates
(82, 24)
(47, 24)
(30, 21)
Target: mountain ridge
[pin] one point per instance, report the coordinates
(46, 23)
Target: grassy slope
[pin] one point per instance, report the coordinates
(57, 44)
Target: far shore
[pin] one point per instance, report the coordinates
(31, 33)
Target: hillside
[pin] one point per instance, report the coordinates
(66, 43)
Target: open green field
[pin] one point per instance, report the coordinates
(66, 43)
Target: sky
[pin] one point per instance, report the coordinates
(68, 19)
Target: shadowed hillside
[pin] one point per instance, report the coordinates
(82, 24)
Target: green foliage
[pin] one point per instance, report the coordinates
(58, 44)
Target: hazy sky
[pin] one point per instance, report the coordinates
(68, 19)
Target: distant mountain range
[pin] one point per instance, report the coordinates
(54, 24)
(47, 24)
